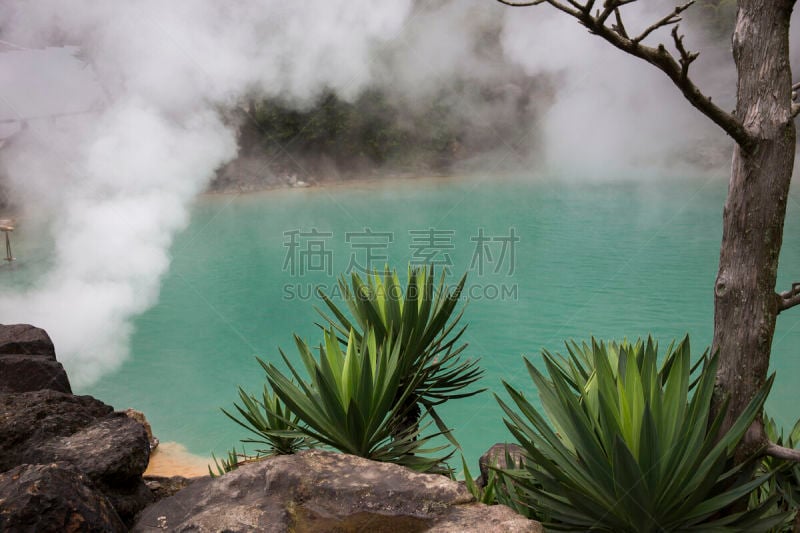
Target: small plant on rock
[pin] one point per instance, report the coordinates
(354, 398)
(271, 421)
(366, 392)
(224, 465)
(498, 487)
(421, 322)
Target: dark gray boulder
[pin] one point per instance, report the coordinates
(25, 373)
(110, 448)
(163, 487)
(25, 339)
(53, 497)
(323, 491)
(31, 419)
(113, 452)
(28, 361)
(110, 451)
(496, 456)
(139, 417)
(128, 499)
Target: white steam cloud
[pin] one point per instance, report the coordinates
(114, 186)
(612, 112)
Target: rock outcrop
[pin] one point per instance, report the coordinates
(28, 361)
(111, 449)
(164, 487)
(42, 422)
(72, 463)
(139, 417)
(30, 420)
(496, 456)
(25, 339)
(53, 497)
(324, 491)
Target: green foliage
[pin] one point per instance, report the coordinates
(354, 398)
(632, 446)
(363, 393)
(224, 465)
(485, 494)
(379, 128)
(420, 321)
(367, 128)
(269, 420)
(231, 462)
(783, 488)
(498, 488)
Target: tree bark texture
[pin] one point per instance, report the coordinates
(745, 300)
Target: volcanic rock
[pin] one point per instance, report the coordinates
(111, 449)
(164, 487)
(317, 490)
(24, 373)
(28, 361)
(139, 417)
(54, 498)
(496, 456)
(25, 339)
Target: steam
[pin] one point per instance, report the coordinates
(114, 186)
(614, 113)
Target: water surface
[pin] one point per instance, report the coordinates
(607, 260)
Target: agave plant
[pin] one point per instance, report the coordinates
(224, 464)
(231, 462)
(420, 321)
(269, 420)
(631, 446)
(353, 399)
(485, 493)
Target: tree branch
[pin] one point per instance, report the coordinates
(672, 18)
(558, 5)
(676, 70)
(522, 4)
(781, 452)
(686, 57)
(609, 7)
(790, 298)
(619, 27)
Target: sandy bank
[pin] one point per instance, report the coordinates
(173, 459)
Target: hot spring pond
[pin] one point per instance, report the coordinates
(547, 261)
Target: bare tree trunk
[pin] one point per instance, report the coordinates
(745, 301)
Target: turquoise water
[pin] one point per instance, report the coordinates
(609, 260)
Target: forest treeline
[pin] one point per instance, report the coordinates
(331, 137)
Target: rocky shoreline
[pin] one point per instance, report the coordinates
(250, 174)
(72, 463)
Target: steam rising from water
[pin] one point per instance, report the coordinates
(614, 113)
(115, 186)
